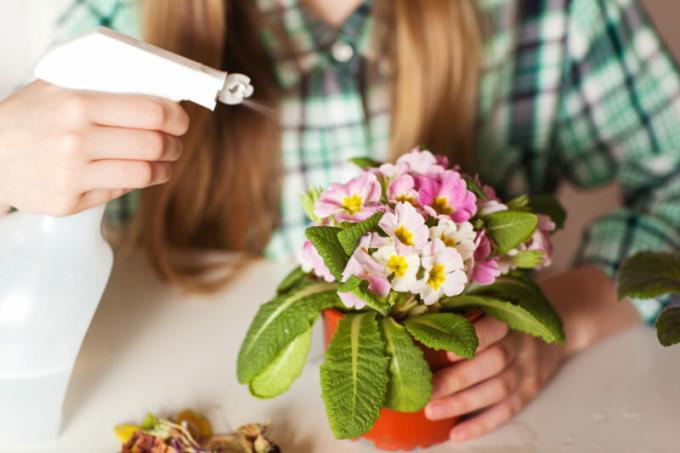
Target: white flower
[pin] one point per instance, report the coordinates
(444, 273)
(405, 226)
(458, 236)
(401, 268)
(491, 206)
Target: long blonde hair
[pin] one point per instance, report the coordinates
(224, 193)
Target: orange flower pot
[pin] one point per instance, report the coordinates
(396, 430)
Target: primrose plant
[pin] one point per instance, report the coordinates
(649, 275)
(405, 252)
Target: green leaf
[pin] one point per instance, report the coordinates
(279, 375)
(514, 316)
(524, 292)
(410, 384)
(325, 240)
(668, 326)
(445, 331)
(536, 315)
(528, 259)
(647, 275)
(508, 229)
(395, 297)
(279, 322)
(290, 281)
(349, 237)
(149, 422)
(308, 201)
(473, 187)
(550, 206)
(354, 376)
(359, 288)
(520, 203)
(365, 162)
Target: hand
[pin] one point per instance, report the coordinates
(64, 151)
(511, 368)
(508, 371)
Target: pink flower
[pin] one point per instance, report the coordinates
(416, 162)
(540, 240)
(422, 162)
(365, 267)
(405, 226)
(447, 195)
(485, 269)
(354, 201)
(310, 260)
(402, 188)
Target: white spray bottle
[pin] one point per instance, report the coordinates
(53, 271)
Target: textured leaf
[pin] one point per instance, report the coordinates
(410, 384)
(279, 375)
(325, 240)
(508, 229)
(349, 237)
(359, 288)
(445, 331)
(309, 199)
(365, 162)
(668, 326)
(550, 206)
(279, 322)
(354, 376)
(527, 294)
(290, 281)
(528, 259)
(514, 316)
(647, 275)
(519, 203)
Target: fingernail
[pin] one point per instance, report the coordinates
(435, 411)
(452, 357)
(459, 435)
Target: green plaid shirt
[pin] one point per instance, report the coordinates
(577, 90)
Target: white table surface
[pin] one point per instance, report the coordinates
(150, 347)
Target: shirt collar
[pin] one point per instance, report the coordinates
(299, 41)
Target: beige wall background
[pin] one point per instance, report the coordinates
(584, 207)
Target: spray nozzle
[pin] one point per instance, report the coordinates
(236, 88)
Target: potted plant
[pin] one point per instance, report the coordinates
(648, 275)
(399, 261)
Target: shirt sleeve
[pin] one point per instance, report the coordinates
(619, 119)
(82, 16)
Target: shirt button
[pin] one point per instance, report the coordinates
(342, 52)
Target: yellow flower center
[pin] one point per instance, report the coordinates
(441, 205)
(353, 204)
(437, 276)
(404, 235)
(403, 198)
(397, 265)
(449, 241)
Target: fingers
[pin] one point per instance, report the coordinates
(133, 144)
(99, 197)
(131, 111)
(489, 331)
(114, 174)
(482, 395)
(470, 372)
(488, 420)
